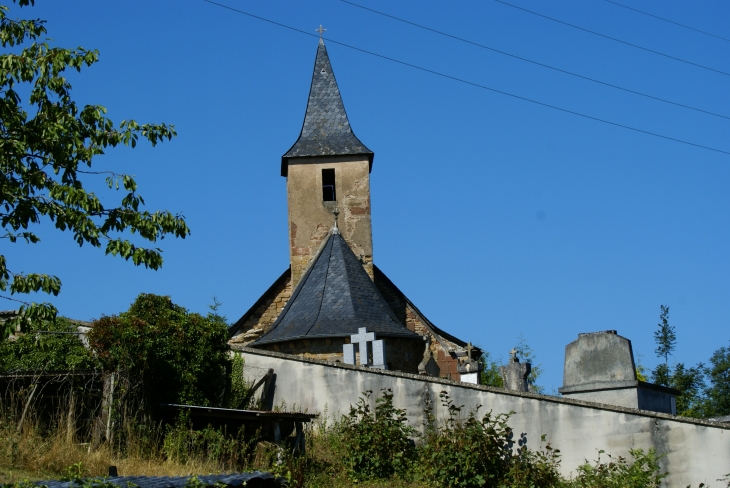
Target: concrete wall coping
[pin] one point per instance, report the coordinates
(499, 391)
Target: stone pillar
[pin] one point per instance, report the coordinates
(514, 375)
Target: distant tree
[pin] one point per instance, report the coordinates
(641, 370)
(717, 400)
(661, 375)
(490, 375)
(691, 383)
(527, 355)
(665, 337)
(47, 145)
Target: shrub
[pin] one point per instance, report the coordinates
(530, 469)
(643, 472)
(239, 390)
(166, 354)
(467, 452)
(377, 443)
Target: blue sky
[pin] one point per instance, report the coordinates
(497, 217)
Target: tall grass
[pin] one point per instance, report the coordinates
(46, 445)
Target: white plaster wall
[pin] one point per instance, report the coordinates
(696, 451)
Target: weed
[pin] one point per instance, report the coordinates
(378, 443)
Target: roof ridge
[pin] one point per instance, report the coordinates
(319, 310)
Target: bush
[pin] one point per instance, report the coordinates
(529, 469)
(165, 353)
(466, 452)
(377, 442)
(643, 472)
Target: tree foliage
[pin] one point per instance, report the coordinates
(665, 337)
(717, 401)
(490, 375)
(47, 145)
(167, 353)
(704, 390)
(690, 381)
(52, 346)
(527, 355)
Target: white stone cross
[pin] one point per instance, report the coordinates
(361, 339)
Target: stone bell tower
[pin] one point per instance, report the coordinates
(327, 169)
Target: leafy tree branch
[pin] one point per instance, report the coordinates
(47, 145)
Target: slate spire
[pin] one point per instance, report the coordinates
(326, 130)
(335, 298)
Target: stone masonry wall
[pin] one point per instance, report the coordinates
(411, 319)
(264, 316)
(310, 218)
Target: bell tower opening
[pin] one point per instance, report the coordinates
(329, 190)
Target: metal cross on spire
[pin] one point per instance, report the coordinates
(321, 30)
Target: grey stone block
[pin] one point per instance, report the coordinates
(348, 353)
(379, 360)
(598, 357)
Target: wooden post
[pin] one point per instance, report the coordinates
(267, 394)
(110, 406)
(299, 444)
(71, 416)
(27, 406)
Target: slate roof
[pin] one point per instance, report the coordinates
(335, 297)
(326, 130)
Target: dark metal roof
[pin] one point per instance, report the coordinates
(255, 478)
(335, 298)
(326, 130)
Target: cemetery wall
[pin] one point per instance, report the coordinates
(696, 451)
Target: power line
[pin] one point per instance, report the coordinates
(535, 62)
(471, 83)
(614, 39)
(667, 20)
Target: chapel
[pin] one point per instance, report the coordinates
(332, 289)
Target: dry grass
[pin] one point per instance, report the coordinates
(38, 453)
(45, 452)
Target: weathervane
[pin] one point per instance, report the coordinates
(320, 30)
